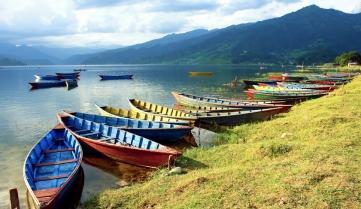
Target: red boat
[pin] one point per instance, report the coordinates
(321, 82)
(118, 144)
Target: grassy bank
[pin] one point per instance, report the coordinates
(307, 158)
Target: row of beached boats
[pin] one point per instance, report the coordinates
(295, 88)
(141, 135)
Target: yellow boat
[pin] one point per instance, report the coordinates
(143, 107)
(122, 113)
(200, 73)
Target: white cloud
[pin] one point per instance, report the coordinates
(125, 22)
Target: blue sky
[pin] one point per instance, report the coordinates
(108, 23)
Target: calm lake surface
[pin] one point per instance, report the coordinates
(27, 115)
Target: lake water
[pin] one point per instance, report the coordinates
(27, 115)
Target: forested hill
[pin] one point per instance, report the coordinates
(310, 35)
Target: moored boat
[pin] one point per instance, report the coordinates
(51, 168)
(119, 144)
(47, 84)
(200, 73)
(159, 132)
(71, 83)
(74, 75)
(115, 77)
(46, 77)
(193, 100)
(257, 82)
(221, 119)
(288, 96)
(119, 112)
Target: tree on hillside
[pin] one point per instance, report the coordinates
(347, 57)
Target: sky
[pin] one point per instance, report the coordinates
(110, 23)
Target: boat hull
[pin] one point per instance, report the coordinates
(236, 119)
(247, 105)
(251, 83)
(74, 75)
(47, 77)
(115, 77)
(44, 84)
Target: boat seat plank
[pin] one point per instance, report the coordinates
(46, 192)
(80, 131)
(91, 133)
(46, 178)
(55, 163)
(59, 150)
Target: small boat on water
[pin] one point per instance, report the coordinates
(307, 86)
(193, 100)
(200, 73)
(285, 89)
(118, 144)
(257, 82)
(123, 113)
(206, 109)
(159, 132)
(222, 119)
(47, 84)
(79, 70)
(51, 168)
(74, 75)
(46, 77)
(115, 77)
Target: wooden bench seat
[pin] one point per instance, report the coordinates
(55, 163)
(59, 150)
(46, 178)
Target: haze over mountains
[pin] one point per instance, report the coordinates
(310, 35)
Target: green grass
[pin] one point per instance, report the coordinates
(307, 158)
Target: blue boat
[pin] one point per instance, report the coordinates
(118, 144)
(47, 84)
(46, 77)
(159, 132)
(74, 75)
(115, 77)
(52, 167)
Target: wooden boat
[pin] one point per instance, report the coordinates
(158, 110)
(79, 70)
(307, 86)
(118, 144)
(119, 112)
(256, 82)
(285, 89)
(74, 75)
(115, 77)
(205, 109)
(222, 119)
(51, 168)
(192, 100)
(200, 73)
(47, 84)
(159, 132)
(295, 78)
(256, 94)
(46, 77)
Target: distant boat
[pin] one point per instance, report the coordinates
(46, 77)
(51, 169)
(118, 144)
(115, 77)
(159, 132)
(47, 84)
(68, 75)
(79, 70)
(200, 73)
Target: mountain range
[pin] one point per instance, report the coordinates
(310, 35)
